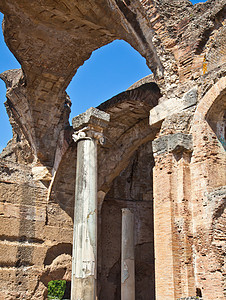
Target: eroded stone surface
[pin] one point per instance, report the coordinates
(183, 228)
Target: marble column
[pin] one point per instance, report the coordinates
(88, 132)
(127, 261)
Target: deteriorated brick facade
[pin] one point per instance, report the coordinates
(170, 169)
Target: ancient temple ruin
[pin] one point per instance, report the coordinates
(159, 151)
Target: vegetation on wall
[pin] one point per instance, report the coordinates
(56, 289)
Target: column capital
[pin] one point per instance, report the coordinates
(90, 125)
(88, 133)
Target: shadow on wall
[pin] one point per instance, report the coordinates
(216, 118)
(57, 265)
(133, 189)
(55, 251)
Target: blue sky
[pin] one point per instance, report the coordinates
(110, 70)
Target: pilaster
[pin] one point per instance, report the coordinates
(172, 217)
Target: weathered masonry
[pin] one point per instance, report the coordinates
(163, 158)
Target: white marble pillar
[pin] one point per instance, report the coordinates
(84, 258)
(127, 261)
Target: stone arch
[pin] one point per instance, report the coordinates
(208, 171)
(43, 36)
(66, 32)
(129, 136)
(209, 116)
(208, 135)
(45, 80)
(123, 138)
(128, 131)
(59, 269)
(216, 117)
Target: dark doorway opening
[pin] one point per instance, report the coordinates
(133, 189)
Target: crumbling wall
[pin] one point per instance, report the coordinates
(208, 193)
(184, 47)
(189, 193)
(27, 234)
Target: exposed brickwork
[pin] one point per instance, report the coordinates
(179, 179)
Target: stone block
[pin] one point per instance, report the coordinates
(8, 254)
(160, 145)
(92, 116)
(41, 173)
(172, 106)
(172, 142)
(179, 141)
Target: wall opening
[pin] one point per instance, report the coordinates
(109, 71)
(133, 189)
(216, 118)
(197, 1)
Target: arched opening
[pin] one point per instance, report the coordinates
(197, 1)
(133, 189)
(133, 132)
(109, 71)
(216, 118)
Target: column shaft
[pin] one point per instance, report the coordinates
(85, 222)
(127, 262)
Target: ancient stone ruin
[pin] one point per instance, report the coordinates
(156, 149)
